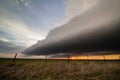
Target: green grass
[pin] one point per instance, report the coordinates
(59, 70)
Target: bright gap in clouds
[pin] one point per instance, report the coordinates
(24, 22)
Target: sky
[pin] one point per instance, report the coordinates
(24, 22)
(96, 29)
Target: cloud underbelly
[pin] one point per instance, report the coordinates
(97, 29)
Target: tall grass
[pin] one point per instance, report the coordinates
(60, 70)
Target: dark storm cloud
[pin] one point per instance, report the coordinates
(97, 29)
(59, 55)
(7, 47)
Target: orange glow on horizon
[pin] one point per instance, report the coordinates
(94, 57)
(97, 57)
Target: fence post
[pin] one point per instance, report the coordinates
(14, 58)
(104, 57)
(88, 57)
(45, 60)
(68, 57)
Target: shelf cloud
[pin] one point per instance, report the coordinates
(95, 30)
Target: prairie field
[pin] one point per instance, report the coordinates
(28, 69)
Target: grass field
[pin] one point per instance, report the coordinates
(59, 70)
